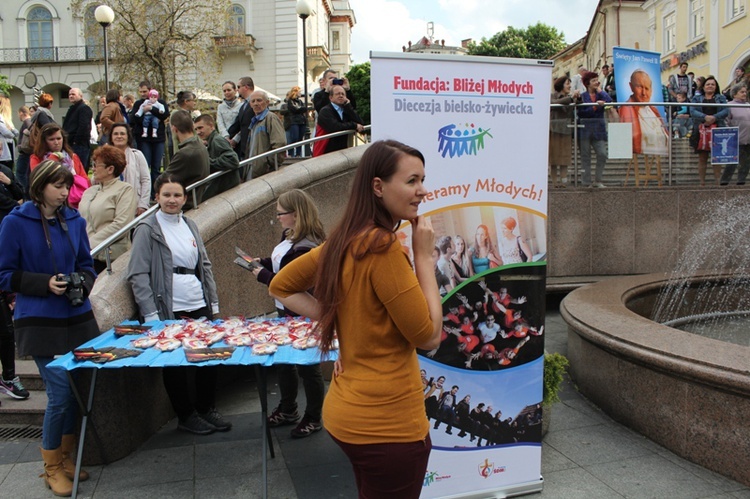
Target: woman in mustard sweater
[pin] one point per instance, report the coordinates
(382, 311)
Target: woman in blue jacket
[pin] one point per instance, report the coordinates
(51, 271)
(594, 132)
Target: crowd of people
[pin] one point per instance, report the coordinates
(482, 424)
(650, 133)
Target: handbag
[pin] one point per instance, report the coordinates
(30, 137)
(319, 146)
(704, 139)
(524, 258)
(80, 184)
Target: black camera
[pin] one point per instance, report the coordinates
(74, 291)
(338, 81)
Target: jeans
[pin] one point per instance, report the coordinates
(83, 153)
(600, 148)
(154, 153)
(22, 173)
(682, 125)
(744, 165)
(295, 134)
(61, 412)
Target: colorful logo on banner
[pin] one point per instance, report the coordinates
(457, 141)
(487, 469)
(433, 477)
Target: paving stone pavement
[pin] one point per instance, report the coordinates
(584, 455)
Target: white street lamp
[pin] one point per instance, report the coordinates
(304, 10)
(105, 15)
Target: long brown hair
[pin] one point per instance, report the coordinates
(48, 130)
(307, 223)
(364, 212)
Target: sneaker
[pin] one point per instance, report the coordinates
(196, 424)
(13, 388)
(278, 418)
(154, 133)
(306, 427)
(215, 418)
(145, 133)
(599, 185)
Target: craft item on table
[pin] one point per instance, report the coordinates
(193, 344)
(126, 329)
(264, 349)
(239, 341)
(203, 354)
(167, 344)
(145, 342)
(103, 355)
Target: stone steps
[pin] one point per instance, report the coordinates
(31, 410)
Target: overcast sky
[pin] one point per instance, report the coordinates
(387, 25)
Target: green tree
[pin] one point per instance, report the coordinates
(539, 41)
(171, 43)
(6, 87)
(359, 82)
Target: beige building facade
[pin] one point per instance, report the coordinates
(710, 35)
(43, 44)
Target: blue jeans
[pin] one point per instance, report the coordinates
(600, 148)
(154, 152)
(22, 173)
(295, 134)
(61, 412)
(744, 167)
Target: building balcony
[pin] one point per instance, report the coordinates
(92, 53)
(318, 59)
(236, 44)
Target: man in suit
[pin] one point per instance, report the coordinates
(337, 116)
(328, 80)
(77, 125)
(240, 129)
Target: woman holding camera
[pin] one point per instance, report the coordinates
(171, 278)
(51, 271)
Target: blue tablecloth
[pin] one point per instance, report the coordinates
(151, 357)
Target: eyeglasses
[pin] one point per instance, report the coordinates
(282, 213)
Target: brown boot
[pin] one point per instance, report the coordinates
(68, 455)
(54, 477)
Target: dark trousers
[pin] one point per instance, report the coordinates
(154, 153)
(184, 396)
(312, 380)
(7, 341)
(22, 173)
(387, 471)
(83, 152)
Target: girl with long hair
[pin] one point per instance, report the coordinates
(382, 310)
(302, 231)
(296, 119)
(8, 132)
(53, 145)
(483, 253)
(461, 261)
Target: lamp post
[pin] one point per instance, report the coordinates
(304, 10)
(105, 15)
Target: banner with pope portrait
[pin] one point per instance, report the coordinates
(482, 124)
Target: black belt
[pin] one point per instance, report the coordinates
(183, 270)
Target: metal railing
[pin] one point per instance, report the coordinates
(52, 54)
(579, 123)
(105, 245)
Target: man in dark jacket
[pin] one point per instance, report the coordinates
(321, 98)
(240, 129)
(221, 157)
(151, 147)
(77, 125)
(191, 162)
(337, 116)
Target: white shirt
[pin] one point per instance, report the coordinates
(279, 251)
(187, 291)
